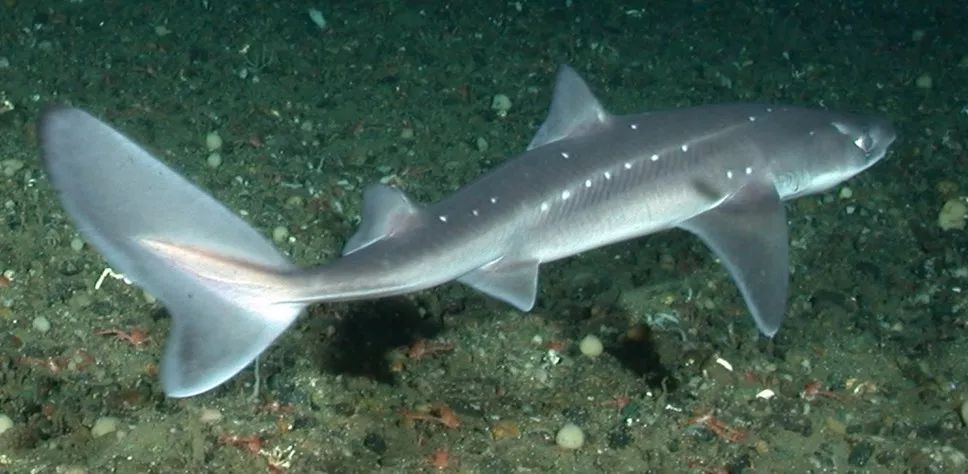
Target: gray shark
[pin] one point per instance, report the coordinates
(587, 179)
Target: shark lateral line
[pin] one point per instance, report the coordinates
(587, 179)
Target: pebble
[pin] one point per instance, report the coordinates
(570, 436)
(501, 104)
(213, 141)
(505, 430)
(41, 324)
(214, 160)
(591, 346)
(210, 415)
(5, 423)
(924, 81)
(11, 167)
(280, 234)
(104, 425)
(953, 215)
(77, 244)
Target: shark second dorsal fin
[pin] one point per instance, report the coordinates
(574, 110)
(386, 210)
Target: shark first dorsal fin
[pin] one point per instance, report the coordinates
(574, 110)
(386, 210)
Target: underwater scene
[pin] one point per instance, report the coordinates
(483, 237)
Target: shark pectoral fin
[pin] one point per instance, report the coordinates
(748, 232)
(386, 210)
(574, 110)
(515, 282)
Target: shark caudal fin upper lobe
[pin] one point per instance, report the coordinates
(222, 282)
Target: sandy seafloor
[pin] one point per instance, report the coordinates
(401, 92)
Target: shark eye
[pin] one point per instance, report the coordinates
(865, 142)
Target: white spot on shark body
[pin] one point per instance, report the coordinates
(493, 200)
(634, 126)
(565, 195)
(729, 174)
(628, 165)
(565, 155)
(475, 212)
(749, 170)
(588, 183)
(654, 157)
(607, 175)
(442, 218)
(752, 118)
(685, 147)
(544, 207)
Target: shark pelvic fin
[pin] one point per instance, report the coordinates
(515, 282)
(748, 232)
(574, 110)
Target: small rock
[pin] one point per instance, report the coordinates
(213, 141)
(5, 423)
(374, 442)
(953, 215)
(104, 425)
(210, 415)
(570, 436)
(41, 324)
(214, 160)
(280, 234)
(501, 104)
(860, 454)
(11, 166)
(505, 429)
(591, 346)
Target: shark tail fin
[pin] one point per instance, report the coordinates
(223, 283)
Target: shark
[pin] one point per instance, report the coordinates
(587, 179)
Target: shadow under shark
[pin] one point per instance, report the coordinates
(587, 179)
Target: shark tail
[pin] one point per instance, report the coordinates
(223, 283)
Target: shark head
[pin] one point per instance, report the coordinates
(842, 147)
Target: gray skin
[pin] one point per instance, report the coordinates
(587, 179)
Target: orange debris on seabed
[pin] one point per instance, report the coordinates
(76, 362)
(814, 390)
(724, 431)
(440, 414)
(440, 459)
(423, 348)
(136, 336)
(250, 443)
